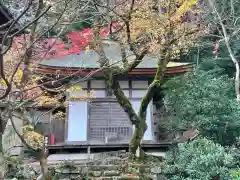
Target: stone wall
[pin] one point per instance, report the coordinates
(117, 166)
(103, 166)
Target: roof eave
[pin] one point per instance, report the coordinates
(137, 71)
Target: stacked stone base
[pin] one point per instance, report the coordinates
(108, 166)
(116, 167)
(106, 172)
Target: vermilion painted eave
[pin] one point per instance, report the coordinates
(68, 71)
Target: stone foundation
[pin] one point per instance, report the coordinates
(106, 172)
(104, 166)
(116, 166)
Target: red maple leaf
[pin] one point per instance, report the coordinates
(51, 48)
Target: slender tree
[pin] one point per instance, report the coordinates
(17, 65)
(5, 45)
(156, 28)
(223, 19)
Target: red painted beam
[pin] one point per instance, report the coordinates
(95, 72)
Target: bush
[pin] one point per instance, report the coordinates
(204, 100)
(201, 159)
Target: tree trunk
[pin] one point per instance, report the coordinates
(29, 50)
(139, 120)
(231, 54)
(141, 126)
(139, 131)
(44, 166)
(3, 124)
(2, 161)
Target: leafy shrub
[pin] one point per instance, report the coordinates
(235, 174)
(204, 100)
(15, 169)
(201, 159)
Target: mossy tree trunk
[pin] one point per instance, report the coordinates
(2, 161)
(44, 166)
(110, 72)
(141, 126)
(3, 124)
(137, 119)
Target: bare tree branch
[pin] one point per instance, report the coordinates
(226, 40)
(14, 23)
(6, 24)
(18, 133)
(30, 23)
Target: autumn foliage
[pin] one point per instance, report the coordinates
(172, 23)
(50, 48)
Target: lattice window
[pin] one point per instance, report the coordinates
(108, 120)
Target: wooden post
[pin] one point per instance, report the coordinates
(45, 143)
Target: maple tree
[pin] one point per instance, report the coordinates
(8, 71)
(29, 89)
(31, 92)
(160, 28)
(50, 48)
(18, 60)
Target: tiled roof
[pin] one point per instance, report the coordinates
(89, 60)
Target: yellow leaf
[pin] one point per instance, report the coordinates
(3, 82)
(176, 64)
(134, 35)
(165, 15)
(185, 7)
(20, 72)
(74, 88)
